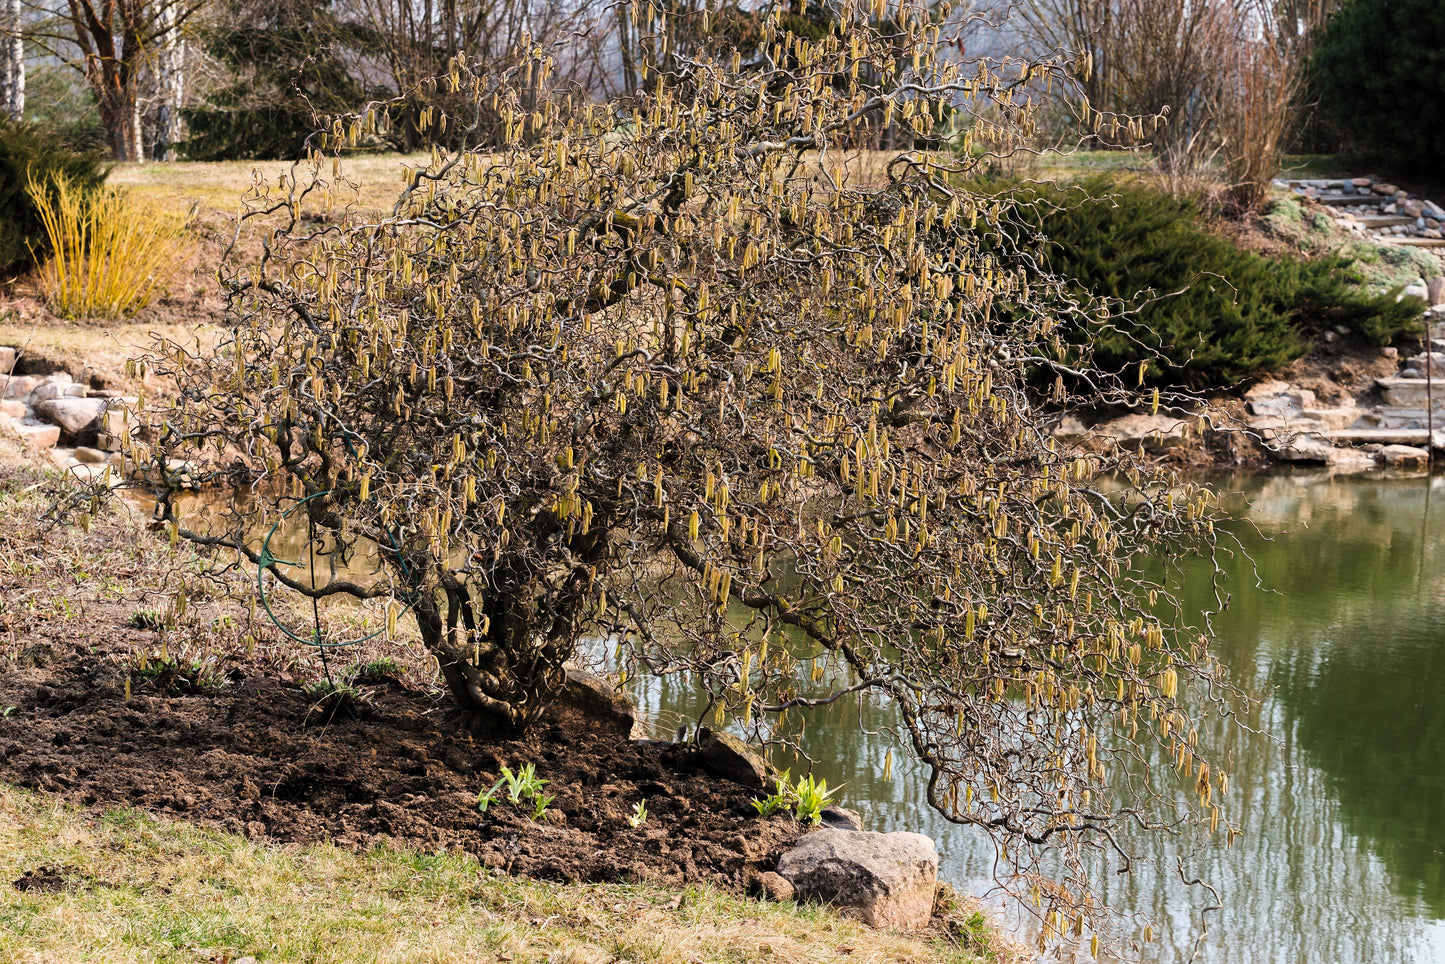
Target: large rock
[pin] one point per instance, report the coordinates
(56, 388)
(1403, 455)
(1070, 429)
(73, 415)
(1277, 400)
(7, 359)
(18, 386)
(887, 879)
(1435, 291)
(13, 407)
(724, 755)
(1411, 392)
(590, 700)
(37, 434)
(841, 818)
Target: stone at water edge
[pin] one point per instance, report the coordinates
(1285, 403)
(1156, 432)
(1404, 455)
(724, 755)
(887, 879)
(589, 698)
(841, 818)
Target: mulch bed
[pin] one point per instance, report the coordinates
(260, 758)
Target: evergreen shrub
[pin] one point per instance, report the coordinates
(1378, 77)
(1191, 305)
(27, 152)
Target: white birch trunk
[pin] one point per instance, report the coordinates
(12, 61)
(170, 77)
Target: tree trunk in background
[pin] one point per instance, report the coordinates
(12, 61)
(170, 83)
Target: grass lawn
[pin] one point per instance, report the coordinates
(218, 186)
(121, 886)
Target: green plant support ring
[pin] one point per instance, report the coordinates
(265, 560)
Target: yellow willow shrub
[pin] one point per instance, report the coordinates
(110, 253)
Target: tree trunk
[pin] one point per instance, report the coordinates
(624, 47)
(118, 117)
(12, 61)
(170, 81)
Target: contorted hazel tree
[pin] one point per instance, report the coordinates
(677, 371)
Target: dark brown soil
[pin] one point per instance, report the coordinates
(256, 757)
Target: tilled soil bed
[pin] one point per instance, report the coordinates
(257, 756)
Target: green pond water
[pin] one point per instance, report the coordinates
(1337, 621)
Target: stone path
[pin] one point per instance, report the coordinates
(1377, 210)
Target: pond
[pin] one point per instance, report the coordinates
(1338, 624)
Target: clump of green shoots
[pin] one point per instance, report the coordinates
(524, 791)
(375, 671)
(805, 798)
(187, 671)
(331, 696)
(639, 814)
(145, 619)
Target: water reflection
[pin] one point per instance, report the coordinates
(1339, 788)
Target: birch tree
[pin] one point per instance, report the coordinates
(128, 51)
(12, 61)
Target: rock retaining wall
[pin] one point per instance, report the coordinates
(81, 426)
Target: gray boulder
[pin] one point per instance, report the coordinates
(56, 389)
(590, 700)
(841, 818)
(73, 415)
(886, 879)
(18, 386)
(1435, 291)
(1403, 455)
(724, 755)
(1155, 432)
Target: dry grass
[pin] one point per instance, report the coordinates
(219, 186)
(125, 887)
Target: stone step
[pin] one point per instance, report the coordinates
(1383, 220)
(1412, 393)
(1342, 200)
(1379, 436)
(1415, 242)
(1397, 418)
